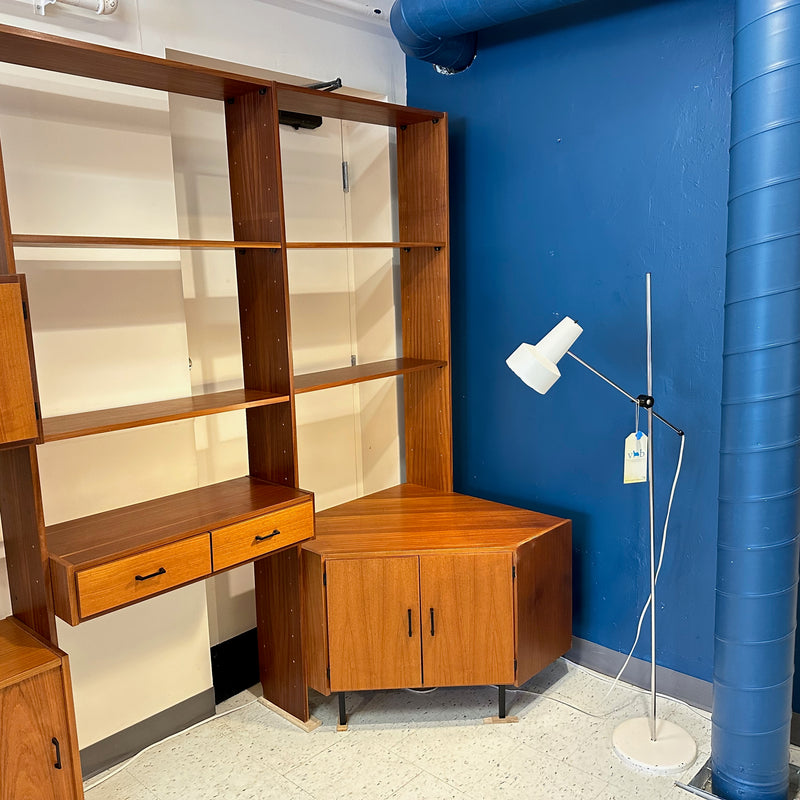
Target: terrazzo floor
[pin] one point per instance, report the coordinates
(414, 746)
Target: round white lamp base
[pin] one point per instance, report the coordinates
(672, 751)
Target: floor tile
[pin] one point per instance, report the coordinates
(426, 787)
(118, 787)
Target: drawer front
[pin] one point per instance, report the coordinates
(136, 577)
(236, 544)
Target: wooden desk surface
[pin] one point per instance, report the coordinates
(409, 518)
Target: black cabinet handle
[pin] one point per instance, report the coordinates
(161, 571)
(410, 632)
(57, 764)
(433, 628)
(276, 532)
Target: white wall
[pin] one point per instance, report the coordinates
(75, 166)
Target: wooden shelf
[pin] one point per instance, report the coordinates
(132, 529)
(315, 381)
(355, 109)
(360, 245)
(123, 243)
(88, 423)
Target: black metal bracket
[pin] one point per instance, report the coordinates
(645, 401)
(501, 702)
(342, 711)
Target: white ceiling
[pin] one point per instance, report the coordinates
(375, 13)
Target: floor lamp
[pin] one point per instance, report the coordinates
(647, 743)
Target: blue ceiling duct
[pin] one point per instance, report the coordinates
(759, 505)
(442, 32)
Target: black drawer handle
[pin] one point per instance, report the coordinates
(410, 632)
(161, 571)
(433, 628)
(57, 764)
(276, 532)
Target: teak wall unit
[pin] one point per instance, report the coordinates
(77, 569)
(38, 744)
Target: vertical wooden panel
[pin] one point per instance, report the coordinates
(257, 209)
(369, 601)
(279, 616)
(18, 419)
(472, 637)
(7, 266)
(34, 710)
(24, 540)
(425, 294)
(543, 600)
(315, 628)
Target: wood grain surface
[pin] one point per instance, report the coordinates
(114, 419)
(22, 655)
(471, 638)
(24, 541)
(343, 376)
(116, 584)
(315, 627)
(279, 614)
(128, 530)
(544, 601)
(18, 423)
(235, 544)
(356, 109)
(369, 600)
(129, 243)
(35, 711)
(422, 185)
(7, 265)
(409, 519)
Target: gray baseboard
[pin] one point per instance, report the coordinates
(669, 682)
(108, 752)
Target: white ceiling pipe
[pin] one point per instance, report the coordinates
(98, 6)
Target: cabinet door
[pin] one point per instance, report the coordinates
(467, 619)
(373, 623)
(32, 715)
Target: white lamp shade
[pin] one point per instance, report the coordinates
(536, 364)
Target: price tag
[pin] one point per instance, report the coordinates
(635, 470)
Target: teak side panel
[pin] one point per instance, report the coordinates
(24, 540)
(22, 655)
(18, 423)
(257, 210)
(422, 165)
(467, 619)
(544, 600)
(279, 614)
(373, 623)
(315, 628)
(7, 264)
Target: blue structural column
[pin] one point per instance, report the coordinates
(759, 506)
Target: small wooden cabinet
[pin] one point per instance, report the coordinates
(38, 744)
(417, 587)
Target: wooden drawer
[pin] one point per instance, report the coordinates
(136, 577)
(236, 544)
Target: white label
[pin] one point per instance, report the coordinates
(635, 458)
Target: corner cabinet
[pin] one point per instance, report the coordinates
(38, 745)
(417, 587)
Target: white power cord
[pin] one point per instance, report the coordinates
(126, 764)
(658, 569)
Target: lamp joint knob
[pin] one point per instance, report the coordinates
(645, 401)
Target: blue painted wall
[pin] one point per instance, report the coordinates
(588, 148)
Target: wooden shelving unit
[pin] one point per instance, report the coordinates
(100, 563)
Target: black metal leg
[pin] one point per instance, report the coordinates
(501, 702)
(342, 711)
